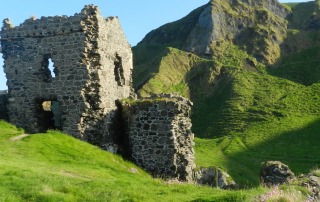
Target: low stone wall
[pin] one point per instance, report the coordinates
(3, 105)
(160, 136)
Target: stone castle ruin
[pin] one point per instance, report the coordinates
(81, 96)
(92, 63)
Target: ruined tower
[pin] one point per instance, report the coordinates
(92, 65)
(69, 73)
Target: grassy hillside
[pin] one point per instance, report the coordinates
(264, 118)
(57, 167)
(174, 34)
(304, 15)
(251, 115)
(301, 49)
(244, 112)
(301, 67)
(171, 74)
(241, 156)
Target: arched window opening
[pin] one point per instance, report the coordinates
(51, 68)
(48, 68)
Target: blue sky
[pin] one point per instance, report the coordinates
(137, 17)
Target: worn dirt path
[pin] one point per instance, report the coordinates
(19, 137)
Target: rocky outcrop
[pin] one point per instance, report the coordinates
(239, 21)
(311, 181)
(272, 5)
(312, 21)
(275, 173)
(213, 177)
(231, 19)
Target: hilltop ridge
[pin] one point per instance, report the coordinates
(234, 21)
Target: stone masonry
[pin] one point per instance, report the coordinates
(160, 137)
(92, 65)
(69, 73)
(3, 105)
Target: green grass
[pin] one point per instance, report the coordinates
(246, 114)
(316, 172)
(176, 33)
(259, 117)
(303, 34)
(172, 75)
(302, 67)
(292, 141)
(301, 13)
(146, 62)
(57, 167)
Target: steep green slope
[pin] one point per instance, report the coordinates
(174, 34)
(294, 143)
(149, 58)
(302, 67)
(248, 112)
(172, 74)
(57, 167)
(266, 118)
(255, 97)
(254, 112)
(301, 49)
(305, 16)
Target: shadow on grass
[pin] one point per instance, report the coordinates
(301, 67)
(301, 49)
(145, 67)
(299, 149)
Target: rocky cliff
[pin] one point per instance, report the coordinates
(253, 25)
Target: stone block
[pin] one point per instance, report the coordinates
(275, 173)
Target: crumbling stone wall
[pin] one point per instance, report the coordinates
(93, 64)
(3, 105)
(160, 137)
